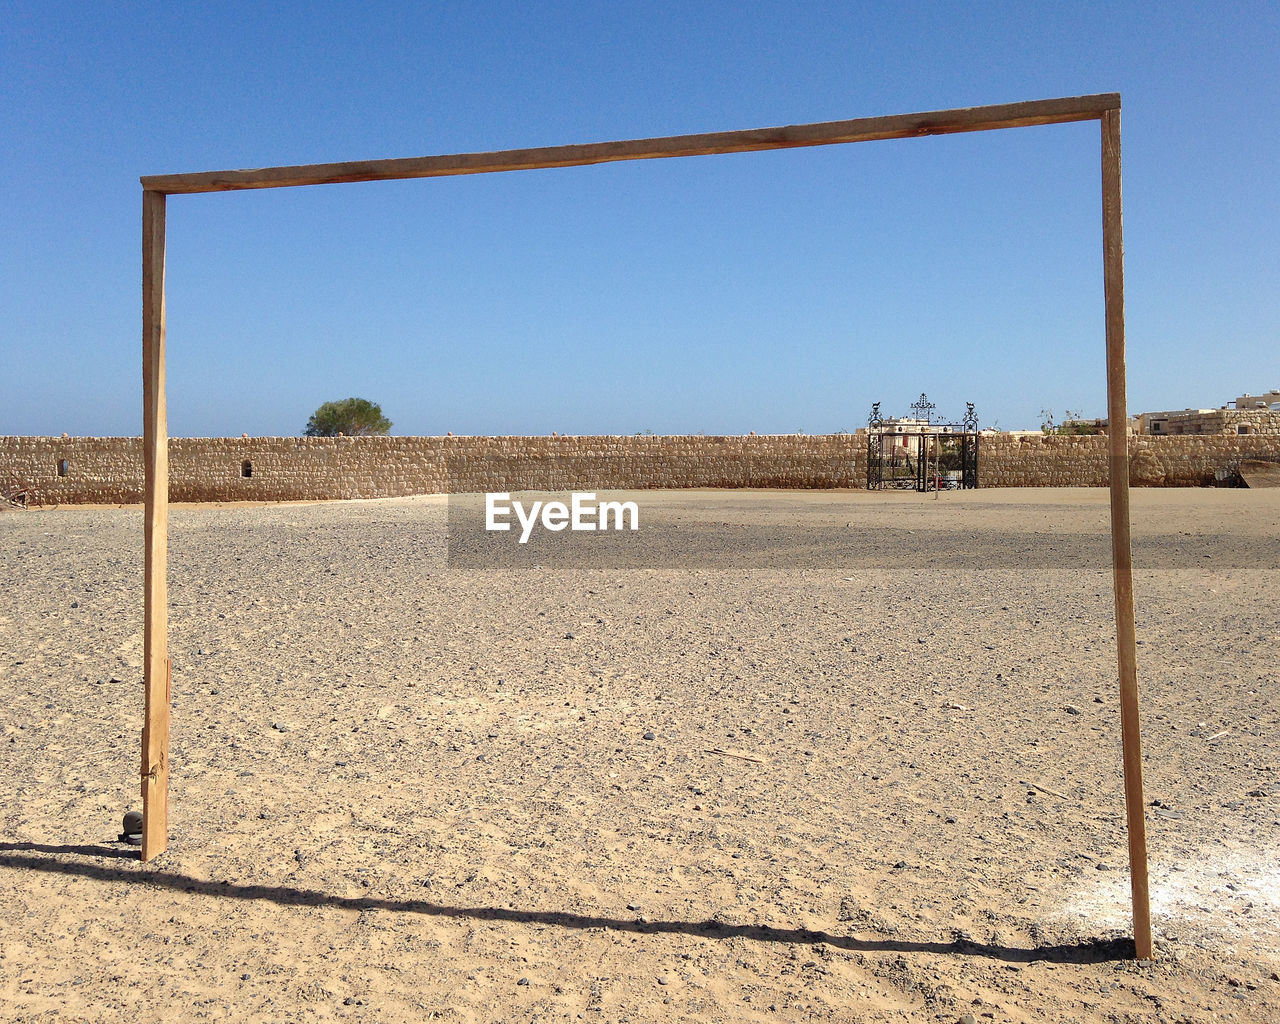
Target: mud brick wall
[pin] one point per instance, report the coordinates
(108, 470)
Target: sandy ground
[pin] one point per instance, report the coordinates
(883, 781)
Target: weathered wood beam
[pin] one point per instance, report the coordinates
(827, 133)
(1121, 544)
(155, 446)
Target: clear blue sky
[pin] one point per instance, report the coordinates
(772, 292)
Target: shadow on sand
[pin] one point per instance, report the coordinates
(19, 856)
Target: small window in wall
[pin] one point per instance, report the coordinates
(63, 467)
(1242, 428)
(246, 469)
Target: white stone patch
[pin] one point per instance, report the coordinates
(1219, 899)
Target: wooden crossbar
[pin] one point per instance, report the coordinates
(824, 133)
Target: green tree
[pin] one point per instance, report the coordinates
(354, 417)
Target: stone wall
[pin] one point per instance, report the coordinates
(99, 470)
(109, 469)
(1054, 461)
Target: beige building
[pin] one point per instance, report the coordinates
(1248, 414)
(907, 425)
(1097, 425)
(1271, 400)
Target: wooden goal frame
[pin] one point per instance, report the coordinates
(1104, 108)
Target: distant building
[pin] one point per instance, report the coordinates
(906, 425)
(1248, 414)
(1097, 425)
(1271, 401)
(1073, 427)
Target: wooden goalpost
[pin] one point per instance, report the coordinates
(1104, 108)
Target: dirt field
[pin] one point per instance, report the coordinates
(877, 778)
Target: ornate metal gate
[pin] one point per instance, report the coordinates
(920, 454)
(874, 466)
(969, 440)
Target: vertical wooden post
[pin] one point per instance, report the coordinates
(155, 444)
(1121, 545)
